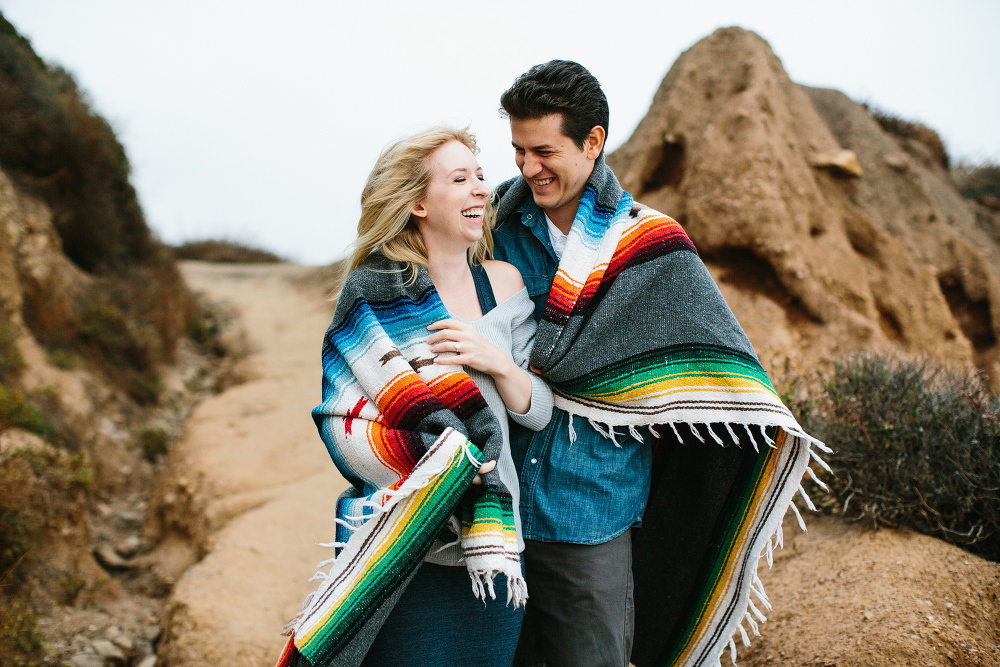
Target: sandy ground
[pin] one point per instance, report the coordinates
(261, 488)
(254, 466)
(846, 595)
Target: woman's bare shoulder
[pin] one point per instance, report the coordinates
(505, 279)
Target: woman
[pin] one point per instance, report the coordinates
(421, 301)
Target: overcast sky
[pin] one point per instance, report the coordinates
(259, 121)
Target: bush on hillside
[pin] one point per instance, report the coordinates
(916, 446)
(906, 129)
(980, 182)
(211, 250)
(57, 149)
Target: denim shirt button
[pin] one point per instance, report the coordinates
(534, 460)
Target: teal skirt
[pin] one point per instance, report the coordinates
(438, 622)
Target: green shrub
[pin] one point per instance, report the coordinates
(15, 410)
(11, 360)
(57, 149)
(916, 445)
(153, 443)
(63, 359)
(20, 640)
(39, 487)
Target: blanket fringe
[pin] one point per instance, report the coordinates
(673, 426)
(752, 615)
(694, 431)
(483, 584)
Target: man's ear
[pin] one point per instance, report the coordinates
(419, 210)
(594, 142)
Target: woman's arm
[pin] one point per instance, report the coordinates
(472, 350)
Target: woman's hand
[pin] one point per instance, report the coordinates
(469, 346)
(474, 351)
(486, 467)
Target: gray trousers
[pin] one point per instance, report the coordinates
(580, 611)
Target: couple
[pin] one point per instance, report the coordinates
(441, 368)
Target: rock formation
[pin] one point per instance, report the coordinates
(827, 235)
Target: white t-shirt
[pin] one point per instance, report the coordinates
(556, 237)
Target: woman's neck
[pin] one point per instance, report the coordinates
(452, 278)
(447, 268)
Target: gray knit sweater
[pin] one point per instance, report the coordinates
(511, 328)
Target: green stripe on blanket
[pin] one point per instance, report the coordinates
(383, 552)
(655, 367)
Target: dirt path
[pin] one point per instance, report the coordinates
(252, 476)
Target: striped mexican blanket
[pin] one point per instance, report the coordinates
(409, 435)
(636, 333)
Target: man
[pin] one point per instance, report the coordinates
(633, 336)
(580, 494)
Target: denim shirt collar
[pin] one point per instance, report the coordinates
(532, 216)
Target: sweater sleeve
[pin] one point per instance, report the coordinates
(523, 327)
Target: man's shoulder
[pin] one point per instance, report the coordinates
(641, 211)
(659, 228)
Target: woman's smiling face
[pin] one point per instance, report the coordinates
(451, 214)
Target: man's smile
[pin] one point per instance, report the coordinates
(542, 181)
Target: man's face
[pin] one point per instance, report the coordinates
(555, 168)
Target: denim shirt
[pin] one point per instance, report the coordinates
(590, 491)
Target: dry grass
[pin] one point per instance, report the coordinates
(211, 250)
(906, 129)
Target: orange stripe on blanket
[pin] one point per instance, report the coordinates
(565, 292)
(405, 400)
(459, 393)
(395, 449)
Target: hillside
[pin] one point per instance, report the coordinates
(827, 234)
(104, 351)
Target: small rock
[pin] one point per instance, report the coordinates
(129, 518)
(897, 162)
(867, 616)
(125, 643)
(842, 161)
(109, 559)
(148, 661)
(152, 633)
(111, 654)
(86, 660)
(129, 546)
(144, 647)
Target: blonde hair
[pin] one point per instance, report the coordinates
(396, 184)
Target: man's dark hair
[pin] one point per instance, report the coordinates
(559, 86)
